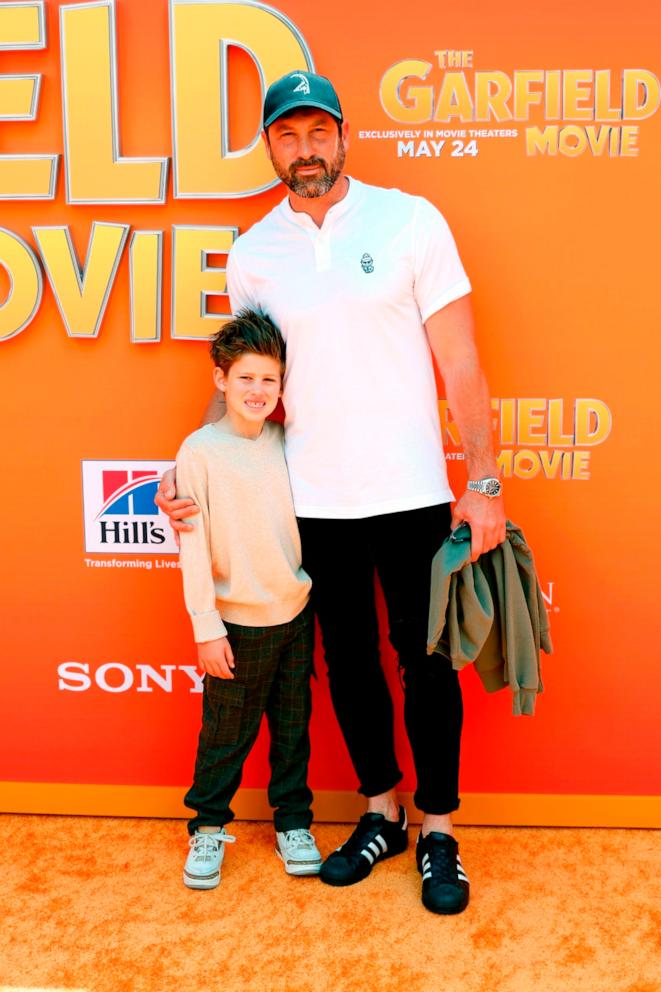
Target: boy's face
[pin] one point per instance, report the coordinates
(252, 387)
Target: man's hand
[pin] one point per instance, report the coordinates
(176, 509)
(216, 658)
(486, 518)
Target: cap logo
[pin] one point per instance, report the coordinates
(367, 263)
(303, 86)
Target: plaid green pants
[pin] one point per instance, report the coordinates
(272, 673)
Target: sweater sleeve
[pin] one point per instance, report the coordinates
(195, 553)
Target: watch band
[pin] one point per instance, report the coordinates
(490, 487)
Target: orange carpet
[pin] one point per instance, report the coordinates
(98, 905)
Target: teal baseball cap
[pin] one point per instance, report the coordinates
(300, 89)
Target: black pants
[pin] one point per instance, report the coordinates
(272, 673)
(341, 557)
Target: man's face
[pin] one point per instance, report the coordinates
(307, 151)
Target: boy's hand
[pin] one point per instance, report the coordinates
(176, 509)
(216, 658)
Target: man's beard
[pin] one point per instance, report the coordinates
(312, 186)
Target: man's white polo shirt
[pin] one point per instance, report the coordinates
(362, 432)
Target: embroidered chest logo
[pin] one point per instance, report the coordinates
(367, 263)
(303, 86)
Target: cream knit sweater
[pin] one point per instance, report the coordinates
(242, 562)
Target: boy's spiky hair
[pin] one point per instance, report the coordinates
(248, 331)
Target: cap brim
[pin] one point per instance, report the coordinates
(300, 105)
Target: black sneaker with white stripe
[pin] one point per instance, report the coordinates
(444, 881)
(374, 839)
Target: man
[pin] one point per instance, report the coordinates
(364, 282)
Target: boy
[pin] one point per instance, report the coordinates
(247, 597)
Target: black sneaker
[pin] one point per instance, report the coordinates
(444, 881)
(374, 839)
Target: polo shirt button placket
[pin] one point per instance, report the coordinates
(322, 252)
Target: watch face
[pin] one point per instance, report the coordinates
(488, 487)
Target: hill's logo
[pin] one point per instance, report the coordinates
(120, 514)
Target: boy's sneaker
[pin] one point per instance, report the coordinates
(298, 851)
(202, 868)
(444, 881)
(374, 839)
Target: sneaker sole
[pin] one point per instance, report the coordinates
(191, 882)
(311, 869)
(340, 883)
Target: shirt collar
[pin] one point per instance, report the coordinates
(302, 219)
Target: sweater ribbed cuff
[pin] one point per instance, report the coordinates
(523, 702)
(208, 626)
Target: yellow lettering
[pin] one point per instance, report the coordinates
(531, 416)
(581, 466)
(22, 25)
(454, 99)
(507, 421)
(629, 146)
(557, 437)
(82, 295)
(602, 97)
(492, 91)
(449, 430)
(526, 464)
(641, 94)
(577, 87)
(544, 142)
(614, 143)
(20, 264)
(598, 138)
(193, 280)
(23, 177)
(204, 163)
(593, 422)
(524, 98)
(551, 461)
(573, 141)
(18, 97)
(95, 171)
(505, 462)
(553, 102)
(145, 275)
(407, 104)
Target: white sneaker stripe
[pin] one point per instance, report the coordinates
(368, 854)
(381, 841)
(425, 861)
(374, 848)
(427, 874)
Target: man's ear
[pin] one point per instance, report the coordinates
(345, 133)
(219, 378)
(267, 143)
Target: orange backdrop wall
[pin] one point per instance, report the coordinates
(125, 173)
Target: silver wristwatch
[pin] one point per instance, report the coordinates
(487, 487)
